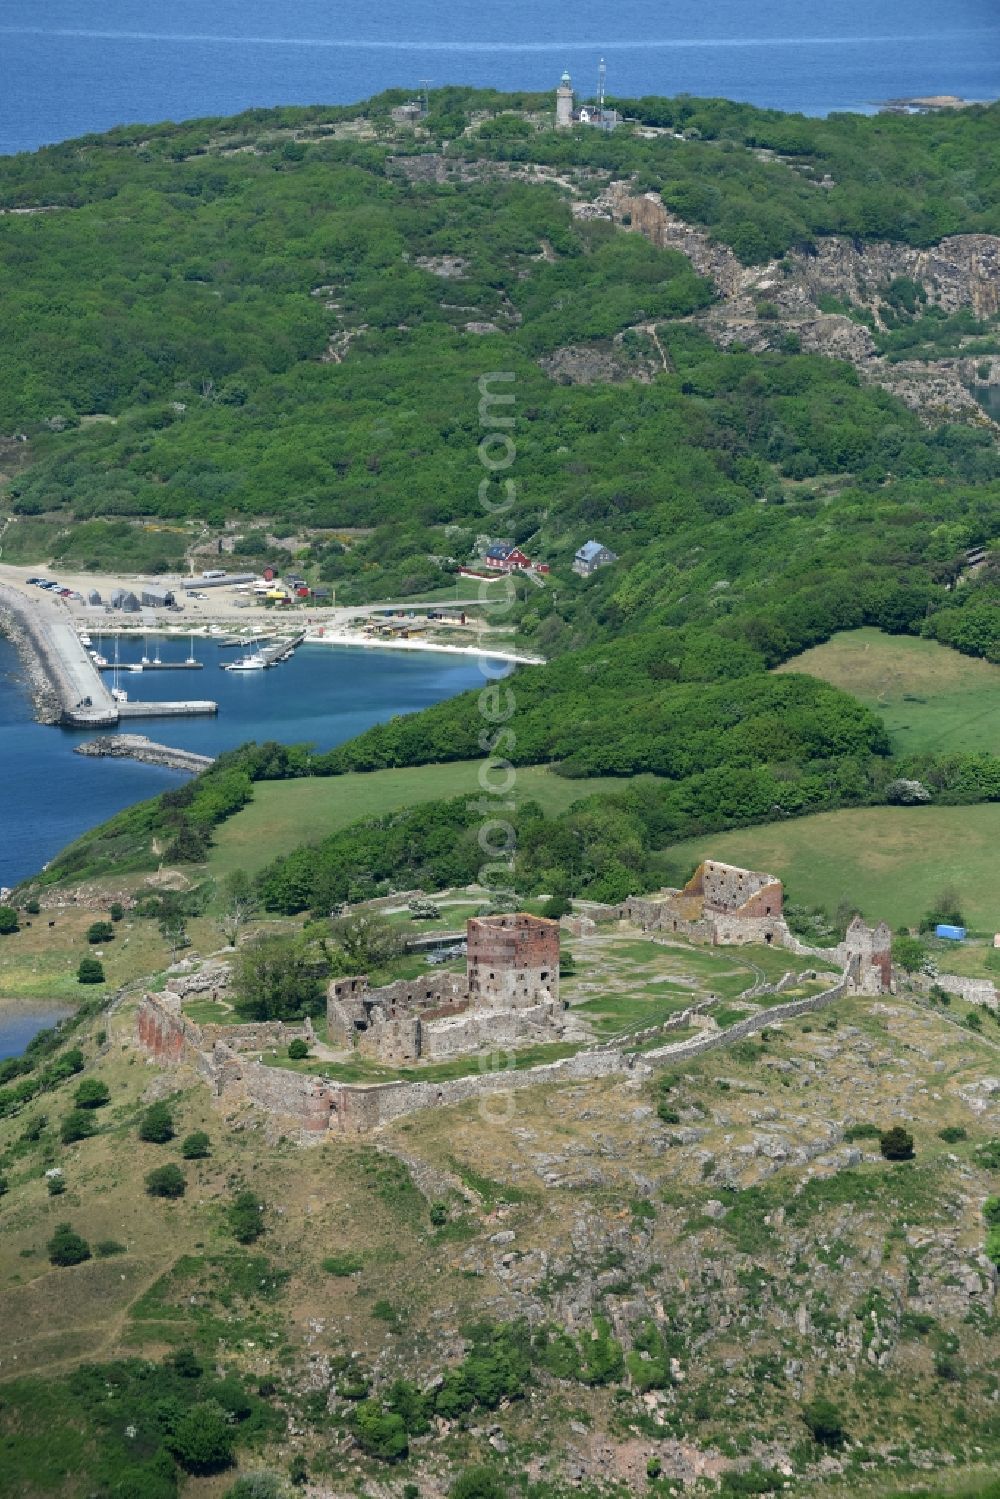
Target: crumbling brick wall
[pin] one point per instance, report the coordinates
(164, 1031)
(351, 1004)
(261, 1035)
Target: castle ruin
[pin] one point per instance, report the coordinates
(721, 904)
(725, 906)
(509, 996)
(867, 957)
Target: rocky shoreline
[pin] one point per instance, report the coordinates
(146, 751)
(44, 699)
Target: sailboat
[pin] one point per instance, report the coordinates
(191, 660)
(98, 657)
(145, 650)
(118, 691)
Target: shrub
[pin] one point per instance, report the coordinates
(262, 1485)
(824, 1421)
(298, 1473)
(104, 1249)
(379, 1432)
(117, 910)
(55, 1185)
(245, 1217)
(33, 906)
(342, 1264)
(202, 1440)
(100, 931)
(909, 954)
(196, 1146)
(166, 1181)
(91, 1094)
(90, 971)
(439, 1213)
(896, 1144)
(67, 1247)
(157, 1124)
(187, 1363)
(991, 1212)
(8, 921)
(77, 1125)
(298, 1049)
(952, 1133)
(4, 1185)
(478, 1483)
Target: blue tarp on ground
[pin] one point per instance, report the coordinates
(952, 933)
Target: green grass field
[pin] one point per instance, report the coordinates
(890, 861)
(286, 813)
(930, 697)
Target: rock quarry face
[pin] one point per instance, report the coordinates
(961, 271)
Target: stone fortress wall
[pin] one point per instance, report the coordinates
(441, 1015)
(311, 1107)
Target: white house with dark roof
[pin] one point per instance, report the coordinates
(591, 556)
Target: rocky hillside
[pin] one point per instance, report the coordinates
(706, 1275)
(760, 305)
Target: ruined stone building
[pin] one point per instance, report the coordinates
(867, 957)
(724, 905)
(508, 996)
(720, 904)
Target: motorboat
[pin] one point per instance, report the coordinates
(252, 662)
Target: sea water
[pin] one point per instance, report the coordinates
(69, 66)
(322, 695)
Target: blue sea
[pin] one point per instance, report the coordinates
(323, 695)
(70, 66)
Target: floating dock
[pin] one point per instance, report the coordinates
(282, 649)
(131, 666)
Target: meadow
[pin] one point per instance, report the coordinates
(932, 699)
(890, 862)
(284, 814)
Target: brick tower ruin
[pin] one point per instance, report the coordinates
(513, 961)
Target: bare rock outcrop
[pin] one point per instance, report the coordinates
(963, 271)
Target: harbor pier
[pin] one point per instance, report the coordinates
(66, 685)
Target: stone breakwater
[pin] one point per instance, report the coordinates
(146, 751)
(311, 1107)
(44, 699)
(64, 684)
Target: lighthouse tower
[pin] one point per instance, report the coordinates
(564, 103)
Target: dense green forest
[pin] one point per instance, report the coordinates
(284, 319)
